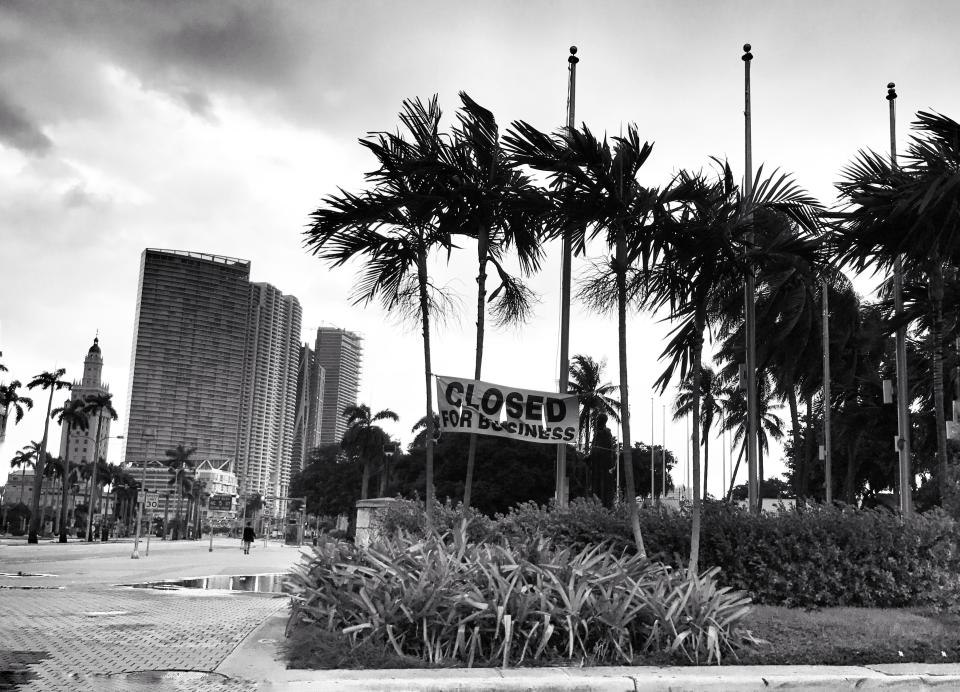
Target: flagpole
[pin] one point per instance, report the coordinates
(749, 299)
(827, 457)
(687, 450)
(903, 393)
(561, 466)
(663, 455)
(652, 461)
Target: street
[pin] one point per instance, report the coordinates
(75, 626)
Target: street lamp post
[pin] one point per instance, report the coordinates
(135, 555)
(210, 520)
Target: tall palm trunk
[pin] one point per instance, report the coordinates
(365, 480)
(482, 243)
(93, 479)
(759, 447)
(631, 489)
(808, 445)
(697, 353)
(850, 488)
(799, 465)
(65, 497)
(935, 289)
(427, 370)
(706, 461)
(32, 537)
(23, 480)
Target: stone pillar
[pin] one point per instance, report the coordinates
(369, 519)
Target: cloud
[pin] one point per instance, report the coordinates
(78, 196)
(198, 103)
(19, 131)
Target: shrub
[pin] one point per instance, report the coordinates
(819, 557)
(407, 516)
(444, 600)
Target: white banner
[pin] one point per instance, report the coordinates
(472, 406)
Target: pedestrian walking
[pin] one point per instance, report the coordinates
(248, 538)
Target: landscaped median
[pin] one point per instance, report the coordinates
(543, 587)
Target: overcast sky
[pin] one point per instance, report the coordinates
(218, 127)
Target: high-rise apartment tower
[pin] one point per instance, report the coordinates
(269, 394)
(189, 343)
(339, 352)
(310, 383)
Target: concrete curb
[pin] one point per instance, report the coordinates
(259, 659)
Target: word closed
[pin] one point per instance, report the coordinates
(473, 406)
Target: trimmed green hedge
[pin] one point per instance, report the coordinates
(820, 557)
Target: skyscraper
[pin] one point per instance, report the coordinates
(310, 383)
(82, 444)
(339, 352)
(269, 392)
(189, 343)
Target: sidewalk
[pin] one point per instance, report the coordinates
(258, 659)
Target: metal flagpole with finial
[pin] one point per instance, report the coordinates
(663, 453)
(652, 458)
(749, 298)
(561, 466)
(827, 456)
(903, 394)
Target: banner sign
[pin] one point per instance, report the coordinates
(472, 406)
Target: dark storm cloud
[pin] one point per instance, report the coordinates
(337, 66)
(271, 55)
(19, 131)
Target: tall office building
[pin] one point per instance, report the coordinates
(82, 445)
(269, 392)
(189, 344)
(339, 352)
(310, 383)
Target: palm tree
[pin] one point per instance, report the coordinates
(74, 414)
(586, 381)
(396, 225)
(909, 212)
(23, 459)
(707, 252)
(596, 188)
(10, 398)
(51, 381)
(711, 393)
(180, 466)
(97, 405)
(364, 439)
(420, 428)
(497, 205)
(770, 425)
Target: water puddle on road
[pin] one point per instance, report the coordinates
(250, 583)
